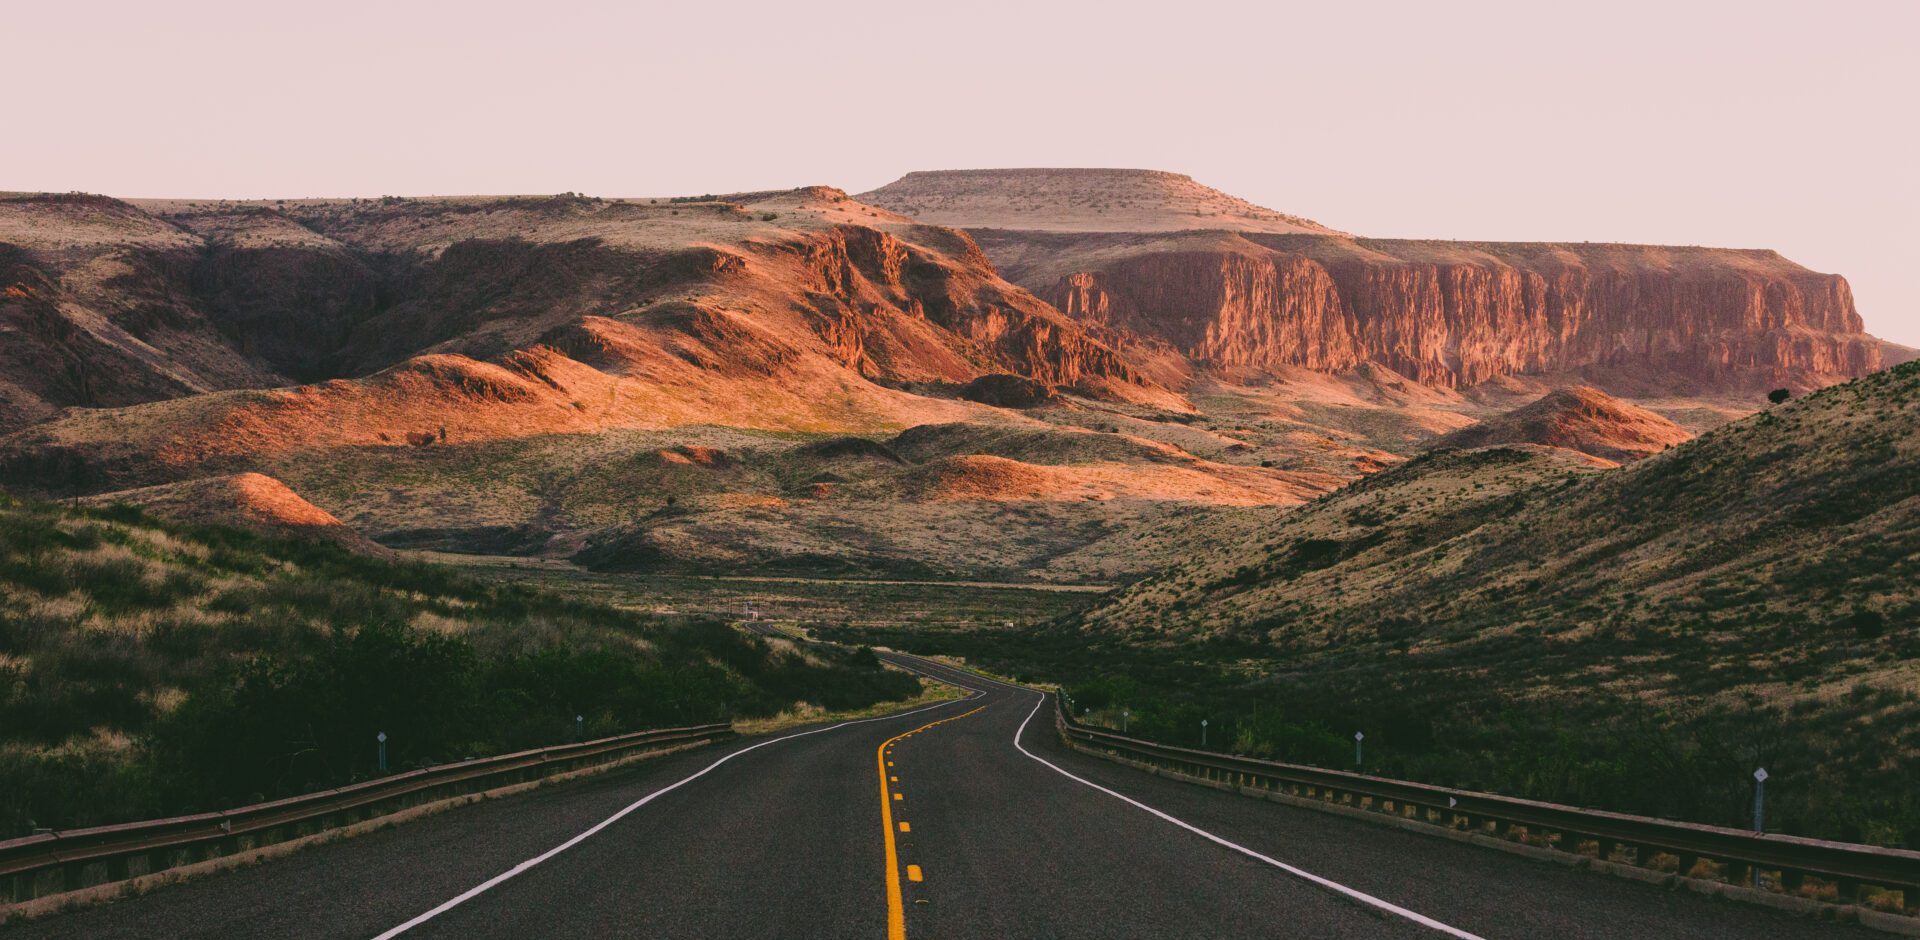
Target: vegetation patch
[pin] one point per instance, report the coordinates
(149, 669)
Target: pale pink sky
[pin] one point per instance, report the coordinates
(1754, 124)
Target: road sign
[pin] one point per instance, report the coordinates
(1760, 775)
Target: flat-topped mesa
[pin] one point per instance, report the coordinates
(1077, 200)
(1235, 286)
(1457, 313)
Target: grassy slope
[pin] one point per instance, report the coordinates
(1754, 547)
(1507, 618)
(148, 668)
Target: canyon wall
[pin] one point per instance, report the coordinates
(1455, 313)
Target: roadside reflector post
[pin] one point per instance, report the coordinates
(1358, 736)
(1126, 719)
(1203, 732)
(382, 739)
(579, 727)
(1760, 800)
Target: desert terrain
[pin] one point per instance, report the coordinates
(1068, 376)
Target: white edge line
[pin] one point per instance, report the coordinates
(1327, 883)
(483, 886)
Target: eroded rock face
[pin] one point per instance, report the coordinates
(1455, 314)
(892, 308)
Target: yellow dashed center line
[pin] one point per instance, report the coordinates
(896, 909)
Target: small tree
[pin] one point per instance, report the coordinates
(1779, 395)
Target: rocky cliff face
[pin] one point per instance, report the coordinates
(1455, 314)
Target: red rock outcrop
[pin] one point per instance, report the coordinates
(1455, 313)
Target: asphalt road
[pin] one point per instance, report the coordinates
(964, 819)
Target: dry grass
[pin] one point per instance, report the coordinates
(931, 693)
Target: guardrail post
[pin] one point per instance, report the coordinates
(1685, 865)
(1791, 880)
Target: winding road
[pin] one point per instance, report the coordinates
(964, 819)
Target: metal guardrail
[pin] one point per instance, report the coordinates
(68, 860)
(1853, 871)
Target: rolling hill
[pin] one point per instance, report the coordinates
(1579, 418)
(1746, 596)
(693, 306)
